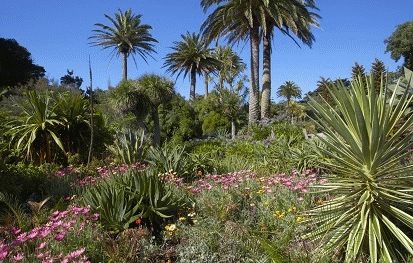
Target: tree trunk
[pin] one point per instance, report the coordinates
(156, 128)
(266, 78)
(254, 110)
(206, 81)
(233, 129)
(193, 84)
(125, 66)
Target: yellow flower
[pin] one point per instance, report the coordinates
(261, 191)
(170, 227)
(182, 219)
(292, 209)
(279, 214)
(300, 219)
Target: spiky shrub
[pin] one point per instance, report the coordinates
(128, 147)
(158, 200)
(116, 207)
(367, 135)
(169, 158)
(126, 197)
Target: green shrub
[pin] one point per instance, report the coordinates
(213, 122)
(22, 180)
(209, 240)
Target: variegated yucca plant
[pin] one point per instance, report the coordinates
(368, 135)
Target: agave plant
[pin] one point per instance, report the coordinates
(128, 146)
(117, 209)
(123, 199)
(367, 135)
(169, 158)
(158, 201)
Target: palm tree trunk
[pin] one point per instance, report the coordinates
(254, 110)
(266, 77)
(206, 81)
(193, 84)
(125, 66)
(156, 128)
(233, 129)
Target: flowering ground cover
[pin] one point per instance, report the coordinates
(41, 242)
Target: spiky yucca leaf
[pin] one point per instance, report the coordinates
(367, 135)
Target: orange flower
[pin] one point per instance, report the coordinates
(138, 221)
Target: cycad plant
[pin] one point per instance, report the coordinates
(368, 135)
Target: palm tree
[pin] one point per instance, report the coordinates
(157, 90)
(191, 56)
(289, 90)
(127, 36)
(231, 66)
(289, 16)
(143, 97)
(238, 21)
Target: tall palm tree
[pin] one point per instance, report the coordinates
(192, 56)
(289, 90)
(292, 18)
(238, 21)
(127, 36)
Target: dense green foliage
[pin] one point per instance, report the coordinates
(400, 44)
(17, 66)
(367, 137)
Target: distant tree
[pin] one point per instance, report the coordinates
(289, 90)
(321, 92)
(127, 36)
(400, 44)
(192, 56)
(297, 111)
(69, 80)
(342, 81)
(378, 71)
(157, 90)
(16, 64)
(358, 71)
(231, 67)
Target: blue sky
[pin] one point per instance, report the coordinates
(56, 33)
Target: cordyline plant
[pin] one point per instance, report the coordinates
(368, 135)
